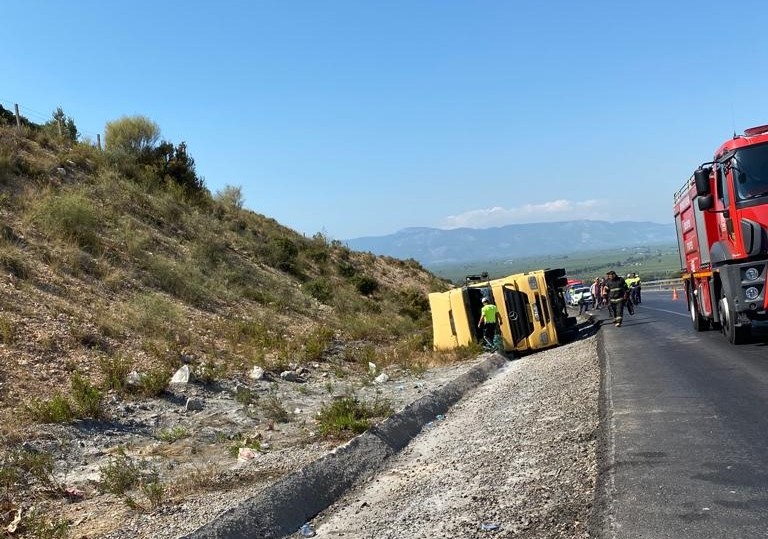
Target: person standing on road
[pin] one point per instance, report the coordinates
(489, 320)
(594, 289)
(633, 282)
(583, 303)
(615, 291)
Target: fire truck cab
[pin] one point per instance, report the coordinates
(721, 217)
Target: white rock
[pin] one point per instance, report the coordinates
(382, 378)
(181, 376)
(257, 373)
(371, 367)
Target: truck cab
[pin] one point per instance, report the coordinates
(531, 306)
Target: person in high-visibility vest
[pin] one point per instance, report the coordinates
(489, 320)
(633, 282)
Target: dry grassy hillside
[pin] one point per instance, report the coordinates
(115, 274)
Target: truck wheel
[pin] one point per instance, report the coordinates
(735, 334)
(699, 323)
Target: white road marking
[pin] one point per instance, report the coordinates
(665, 311)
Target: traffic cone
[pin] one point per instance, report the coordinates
(674, 293)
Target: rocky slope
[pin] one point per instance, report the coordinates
(112, 278)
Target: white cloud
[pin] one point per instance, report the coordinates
(556, 210)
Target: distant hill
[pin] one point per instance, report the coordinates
(433, 246)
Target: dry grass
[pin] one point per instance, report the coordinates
(106, 273)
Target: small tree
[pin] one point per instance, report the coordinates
(62, 123)
(177, 165)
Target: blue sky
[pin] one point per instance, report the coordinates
(360, 118)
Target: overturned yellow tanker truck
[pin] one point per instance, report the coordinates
(531, 305)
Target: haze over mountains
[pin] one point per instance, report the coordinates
(434, 246)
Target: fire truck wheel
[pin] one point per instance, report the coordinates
(699, 323)
(735, 334)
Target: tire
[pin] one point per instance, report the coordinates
(699, 323)
(735, 334)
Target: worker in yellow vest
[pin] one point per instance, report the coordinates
(489, 321)
(633, 282)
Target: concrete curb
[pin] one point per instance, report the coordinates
(281, 509)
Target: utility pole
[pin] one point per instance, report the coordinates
(98, 140)
(18, 117)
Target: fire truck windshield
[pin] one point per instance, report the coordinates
(750, 172)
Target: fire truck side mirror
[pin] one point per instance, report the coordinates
(701, 177)
(705, 202)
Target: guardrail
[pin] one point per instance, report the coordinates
(663, 284)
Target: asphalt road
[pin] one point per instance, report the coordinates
(687, 444)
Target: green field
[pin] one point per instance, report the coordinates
(650, 263)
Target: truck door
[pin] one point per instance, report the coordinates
(517, 306)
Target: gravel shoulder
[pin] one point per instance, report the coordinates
(517, 457)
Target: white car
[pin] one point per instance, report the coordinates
(578, 293)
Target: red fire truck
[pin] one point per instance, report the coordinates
(721, 216)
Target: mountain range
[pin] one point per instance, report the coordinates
(434, 246)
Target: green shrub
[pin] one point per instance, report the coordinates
(119, 475)
(154, 491)
(231, 197)
(347, 269)
(209, 372)
(183, 281)
(366, 285)
(349, 416)
(137, 240)
(209, 249)
(87, 398)
(153, 315)
(253, 332)
(7, 330)
(319, 248)
(6, 165)
(371, 328)
(317, 343)
(172, 434)
(85, 155)
(12, 262)
(154, 382)
(414, 303)
(23, 468)
(131, 135)
(115, 372)
(174, 165)
(320, 289)
(70, 216)
(40, 526)
(363, 355)
(56, 410)
(246, 396)
(282, 253)
(274, 409)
